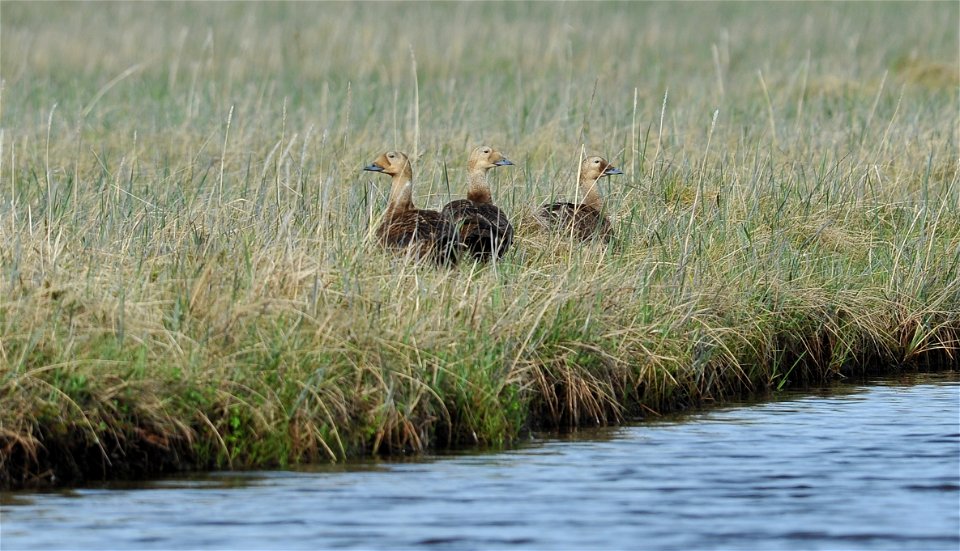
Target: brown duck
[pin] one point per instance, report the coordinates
(584, 221)
(482, 229)
(404, 226)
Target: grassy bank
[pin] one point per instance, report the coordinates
(188, 278)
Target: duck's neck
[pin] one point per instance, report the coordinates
(590, 193)
(478, 190)
(401, 193)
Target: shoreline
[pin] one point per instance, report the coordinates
(67, 461)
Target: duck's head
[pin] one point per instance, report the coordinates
(485, 158)
(391, 162)
(593, 168)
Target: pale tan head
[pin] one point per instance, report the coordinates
(391, 162)
(593, 168)
(397, 165)
(485, 157)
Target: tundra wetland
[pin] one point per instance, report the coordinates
(190, 276)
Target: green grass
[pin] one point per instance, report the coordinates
(188, 278)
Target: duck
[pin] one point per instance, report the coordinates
(483, 230)
(405, 227)
(585, 221)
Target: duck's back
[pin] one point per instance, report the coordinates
(583, 221)
(483, 229)
(425, 231)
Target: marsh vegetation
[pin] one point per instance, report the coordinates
(189, 274)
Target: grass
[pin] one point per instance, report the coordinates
(188, 277)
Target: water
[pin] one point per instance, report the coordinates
(873, 467)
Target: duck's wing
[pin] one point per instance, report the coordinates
(425, 231)
(482, 228)
(584, 221)
(556, 216)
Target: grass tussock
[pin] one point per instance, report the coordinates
(188, 275)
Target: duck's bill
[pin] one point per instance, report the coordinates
(503, 162)
(611, 170)
(373, 167)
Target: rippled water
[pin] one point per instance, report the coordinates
(875, 467)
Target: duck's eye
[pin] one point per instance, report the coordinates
(596, 161)
(392, 156)
(486, 151)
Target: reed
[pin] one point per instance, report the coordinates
(189, 276)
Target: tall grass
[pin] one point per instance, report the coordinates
(188, 275)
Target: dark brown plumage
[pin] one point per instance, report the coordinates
(424, 233)
(482, 229)
(586, 220)
(582, 221)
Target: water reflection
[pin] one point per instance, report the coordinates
(869, 467)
